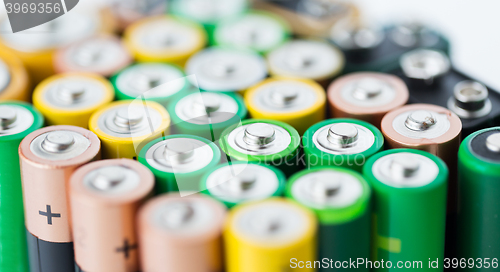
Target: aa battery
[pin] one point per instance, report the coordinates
(48, 158)
(297, 102)
(175, 231)
(18, 119)
(226, 70)
(71, 98)
(124, 127)
(340, 198)
(266, 236)
(366, 96)
(179, 161)
(164, 39)
(341, 142)
(238, 182)
(127, 12)
(265, 141)
(409, 207)
(207, 114)
(105, 197)
(14, 79)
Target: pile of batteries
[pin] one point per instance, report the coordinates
(194, 136)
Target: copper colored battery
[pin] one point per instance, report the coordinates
(181, 234)
(106, 196)
(366, 96)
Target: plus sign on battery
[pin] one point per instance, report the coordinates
(49, 214)
(126, 248)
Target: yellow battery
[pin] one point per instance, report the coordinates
(71, 98)
(164, 39)
(14, 79)
(298, 102)
(272, 235)
(124, 127)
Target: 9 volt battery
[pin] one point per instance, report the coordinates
(14, 79)
(181, 234)
(105, 196)
(267, 235)
(409, 207)
(297, 102)
(238, 182)
(48, 157)
(127, 12)
(179, 161)
(340, 198)
(71, 98)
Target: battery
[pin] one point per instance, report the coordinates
(127, 12)
(267, 235)
(311, 59)
(226, 70)
(48, 158)
(257, 30)
(71, 98)
(265, 141)
(366, 96)
(164, 39)
(106, 196)
(14, 79)
(341, 142)
(174, 231)
(238, 182)
(17, 119)
(207, 114)
(101, 54)
(297, 102)
(432, 79)
(340, 198)
(160, 82)
(124, 127)
(179, 161)
(409, 207)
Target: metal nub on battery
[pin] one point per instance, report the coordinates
(350, 36)
(424, 65)
(240, 182)
(105, 196)
(126, 12)
(14, 79)
(298, 102)
(412, 34)
(170, 222)
(271, 233)
(226, 70)
(208, 13)
(124, 127)
(470, 100)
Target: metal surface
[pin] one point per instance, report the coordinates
(369, 92)
(129, 120)
(259, 139)
(74, 92)
(208, 11)
(285, 96)
(421, 124)
(410, 34)
(343, 138)
(14, 119)
(470, 100)
(424, 64)
(59, 145)
(5, 76)
(350, 37)
(206, 108)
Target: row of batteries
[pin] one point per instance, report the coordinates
(345, 198)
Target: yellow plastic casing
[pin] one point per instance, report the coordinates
(19, 85)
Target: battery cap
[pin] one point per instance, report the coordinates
(470, 100)
(178, 214)
(128, 117)
(57, 141)
(70, 93)
(241, 183)
(7, 117)
(283, 96)
(420, 120)
(323, 188)
(179, 151)
(342, 135)
(424, 64)
(493, 142)
(404, 167)
(206, 104)
(368, 88)
(108, 177)
(259, 134)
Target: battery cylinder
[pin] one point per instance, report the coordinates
(14, 79)
(127, 12)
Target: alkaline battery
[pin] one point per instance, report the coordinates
(164, 39)
(298, 102)
(431, 79)
(257, 30)
(127, 12)
(265, 141)
(340, 198)
(409, 207)
(14, 79)
(207, 114)
(179, 161)
(341, 142)
(310, 59)
(102, 54)
(48, 158)
(124, 127)
(17, 119)
(267, 235)
(71, 98)
(160, 82)
(105, 197)
(366, 96)
(181, 234)
(237, 182)
(226, 70)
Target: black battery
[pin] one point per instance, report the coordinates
(47, 256)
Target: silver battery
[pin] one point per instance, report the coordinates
(112, 180)
(74, 93)
(343, 138)
(284, 96)
(470, 100)
(411, 34)
(421, 124)
(204, 108)
(208, 11)
(190, 216)
(368, 92)
(14, 119)
(218, 69)
(424, 64)
(5, 76)
(59, 145)
(259, 139)
(353, 37)
(493, 142)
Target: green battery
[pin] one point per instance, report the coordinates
(409, 209)
(207, 114)
(238, 182)
(341, 142)
(17, 120)
(264, 141)
(179, 161)
(340, 198)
